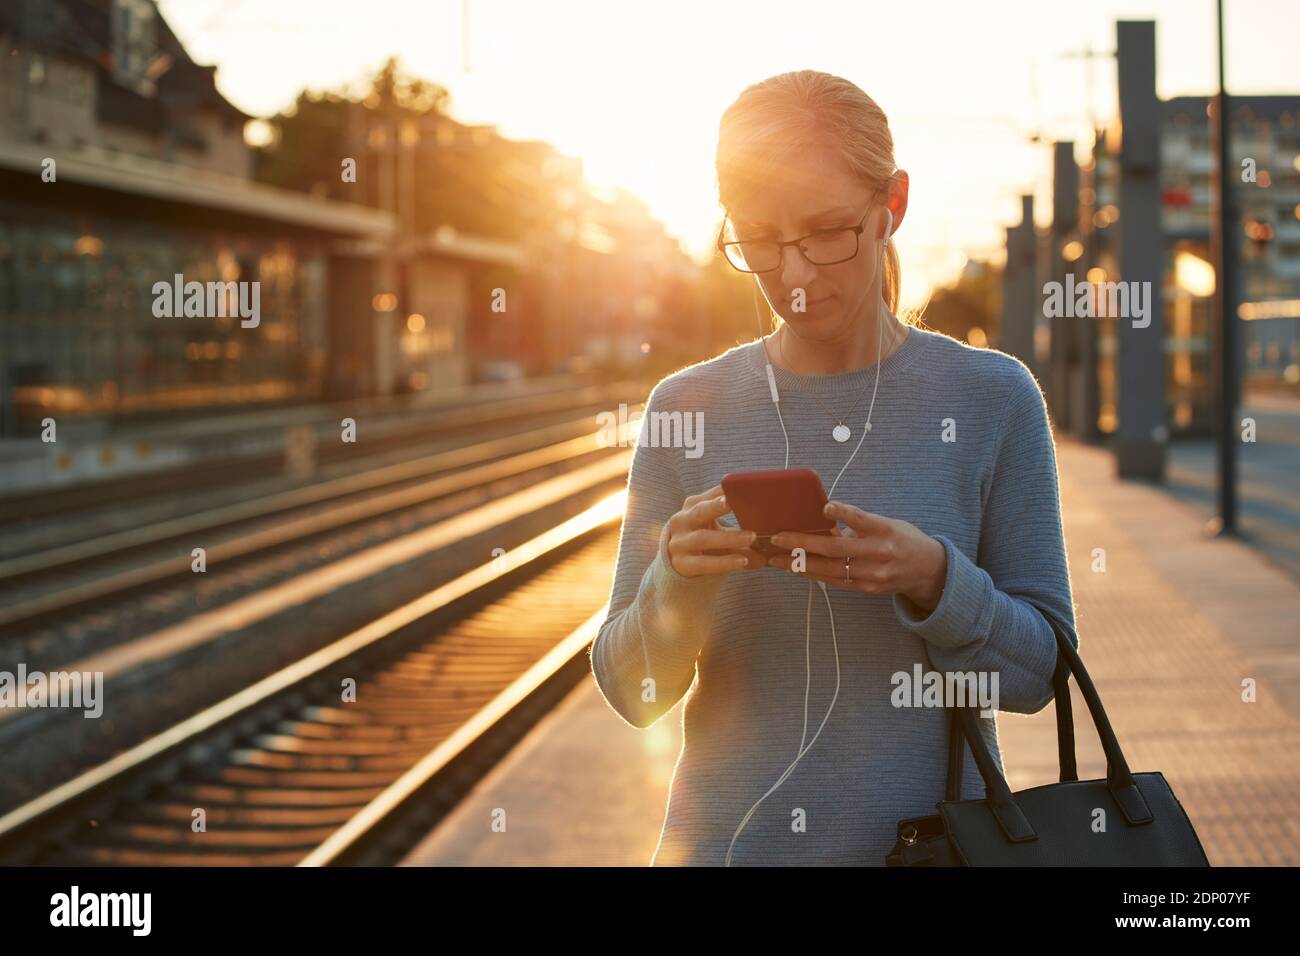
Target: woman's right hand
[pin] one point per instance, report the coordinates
(699, 545)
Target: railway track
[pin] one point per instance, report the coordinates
(255, 450)
(289, 771)
(86, 531)
(80, 600)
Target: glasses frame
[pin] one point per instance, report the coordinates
(797, 243)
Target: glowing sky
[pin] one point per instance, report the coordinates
(636, 90)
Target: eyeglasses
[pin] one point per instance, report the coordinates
(825, 247)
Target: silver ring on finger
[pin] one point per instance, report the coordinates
(847, 578)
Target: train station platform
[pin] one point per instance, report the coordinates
(88, 450)
(1173, 631)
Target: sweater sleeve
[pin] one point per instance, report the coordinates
(990, 615)
(643, 657)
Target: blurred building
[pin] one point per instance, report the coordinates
(1266, 147)
(547, 272)
(396, 250)
(121, 165)
(631, 286)
(1266, 131)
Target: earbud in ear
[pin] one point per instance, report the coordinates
(889, 230)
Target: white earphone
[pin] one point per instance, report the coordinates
(776, 402)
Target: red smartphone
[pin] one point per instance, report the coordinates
(780, 499)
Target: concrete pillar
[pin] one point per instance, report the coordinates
(1019, 295)
(1140, 442)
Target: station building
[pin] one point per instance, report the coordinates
(121, 165)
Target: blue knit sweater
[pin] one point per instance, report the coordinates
(961, 447)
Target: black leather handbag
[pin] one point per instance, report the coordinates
(1055, 824)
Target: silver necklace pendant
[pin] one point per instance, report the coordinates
(841, 433)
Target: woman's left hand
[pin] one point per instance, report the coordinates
(887, 556)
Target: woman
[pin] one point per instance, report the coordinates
(950, 550)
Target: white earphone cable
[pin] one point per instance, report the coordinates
(776, 402)
(807, 685)
(771, 380)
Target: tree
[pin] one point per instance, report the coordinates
(466, 177)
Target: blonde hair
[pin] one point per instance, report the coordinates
(783, 116)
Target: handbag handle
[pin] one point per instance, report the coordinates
(1119, 779)
(1064, 735)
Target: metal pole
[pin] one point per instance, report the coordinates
(1225, 268)
(1065, 222)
